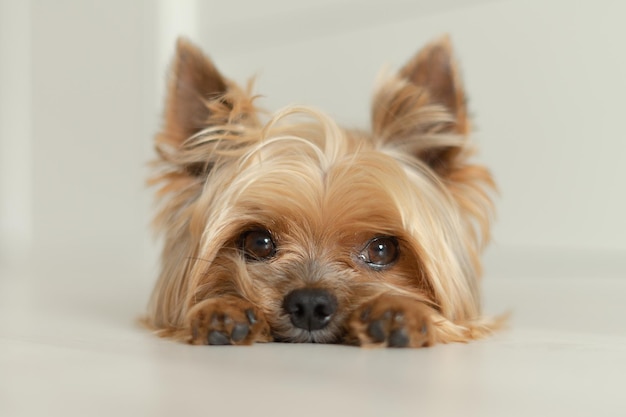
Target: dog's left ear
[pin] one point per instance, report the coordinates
(424, 107)
(435, 70)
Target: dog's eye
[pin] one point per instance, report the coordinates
(258, 245)
(380, 251)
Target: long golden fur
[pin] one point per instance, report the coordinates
(319, 195)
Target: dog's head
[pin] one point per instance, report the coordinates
(307, 220)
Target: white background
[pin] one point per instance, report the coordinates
(81, 87)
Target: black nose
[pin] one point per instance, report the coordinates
(310, 308)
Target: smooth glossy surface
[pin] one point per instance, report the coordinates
(69, 346)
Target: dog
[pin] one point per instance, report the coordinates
(288, 228)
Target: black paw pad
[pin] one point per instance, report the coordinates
(240, 331)
(218, 338)
(376, 330)
(398, 338)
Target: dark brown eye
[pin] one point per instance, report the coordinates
(380, 251)
(258, 245)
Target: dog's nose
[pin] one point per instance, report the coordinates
(310, 308)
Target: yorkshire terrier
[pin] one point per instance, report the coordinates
(289, 228)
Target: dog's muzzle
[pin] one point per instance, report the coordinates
(310, 308)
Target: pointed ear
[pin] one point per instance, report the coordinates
(435, 70)
(194, 81)
(423, 110)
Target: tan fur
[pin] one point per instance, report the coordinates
(323, 192)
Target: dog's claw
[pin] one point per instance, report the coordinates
(365, 314)
(398, 317)
(251, 316)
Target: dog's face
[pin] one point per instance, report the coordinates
(306, 221)
(306, 230)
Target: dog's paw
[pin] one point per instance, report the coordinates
(392, 321)
(227, 321)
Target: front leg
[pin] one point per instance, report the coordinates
(226, 320)
(391, 321)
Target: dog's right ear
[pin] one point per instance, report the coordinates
(194, 83)
(198, 99)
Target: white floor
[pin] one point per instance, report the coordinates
(69, 347)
